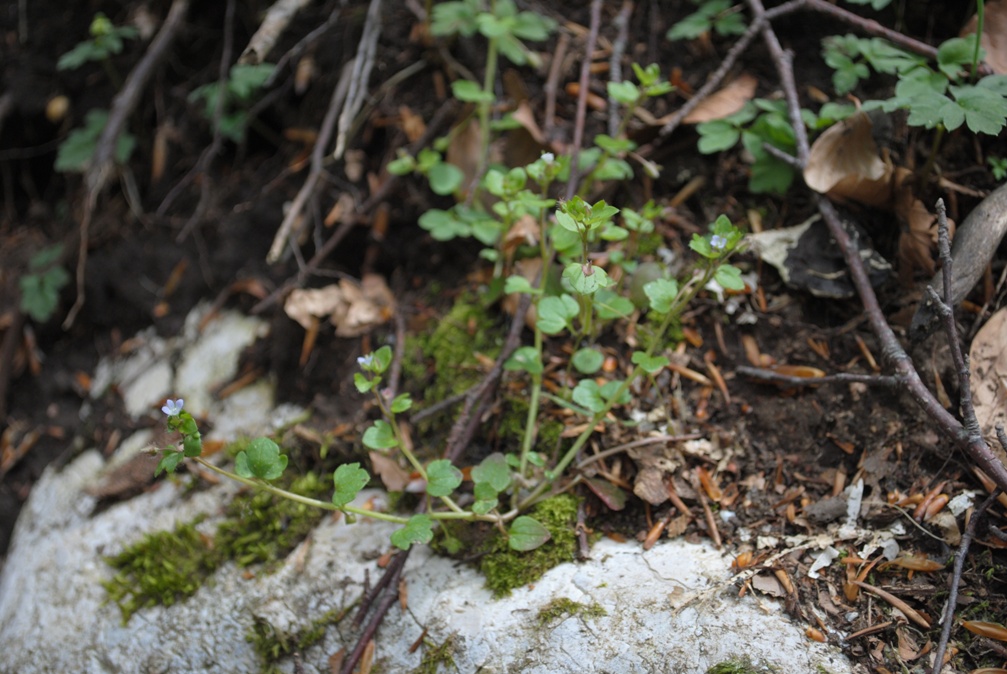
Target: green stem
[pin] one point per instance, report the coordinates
(283, 493)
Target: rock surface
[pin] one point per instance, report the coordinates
(625, 610)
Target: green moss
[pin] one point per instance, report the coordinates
(451, 350)
(163, 568)
(562, 607)
(263, 529)
(742, 665)
(166, 567)
(436, 655)
(506, 569)
(272, 644)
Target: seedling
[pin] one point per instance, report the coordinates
(242, 83)
(41, 285)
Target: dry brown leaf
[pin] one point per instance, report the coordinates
(303, 304)
(524, 232)
(988, 356)
(725, 102)
(844, 163)
(918, 225)
(353, 309)
(465, 150)
(994, 37)
(393, 476)
(526, 118)
(412, 124)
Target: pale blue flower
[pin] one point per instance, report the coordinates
(173, 407)
(365, 361)
(548, 157)
(718, 242)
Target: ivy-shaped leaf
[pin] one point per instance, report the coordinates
(262, 459)
(442, 478)
(419, 529)
(493, 470)
(348, 480)
(380, 436)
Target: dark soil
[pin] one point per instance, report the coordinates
(138, 274)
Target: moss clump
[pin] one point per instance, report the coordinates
(272, 644)
(434, 656)
(506, 569)
(263, 529)
(169, 566)
(452, 348)
(739, 666)
(562, 606)
(162, 568)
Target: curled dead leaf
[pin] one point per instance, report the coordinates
(724, 102)
(988, 357)
(353, 309)
(994, 37)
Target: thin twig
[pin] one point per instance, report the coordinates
(275, 22)
(956, 576)
(841, 378)
(362, 67)
(359, 215)
(581, 116)
(552, 84)
(386, 585)
(125, 102)
(317, 164)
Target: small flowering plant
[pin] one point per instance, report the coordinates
(180, 422)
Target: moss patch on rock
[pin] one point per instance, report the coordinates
(506, 569)
(166, 567)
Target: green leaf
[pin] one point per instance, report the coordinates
(192, 446)
(554, 313)
(401, 165)
(716, 136)
(614, 146)
(348, 480)
(402, 402)
(40, 291)
(76, 151)
(729, 277)
(610, 306)
(526, 534)
(444, 225)
(262, 459)
(380, 436)
(984, 110)
(587, 360)
(168, 463)
(586, 279)
(363, 384)
(624, 92)
(689, 28)
(445, 178)
(954, 54)
(587, 394)
(245, 79)
(382, 359)
(661, 293)
(649, 364)
(519, 284)
(524, 359)
(455, 17)
(468, 91)
(611, 389)
(419, 529)
(492, 471)
(442, 478)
